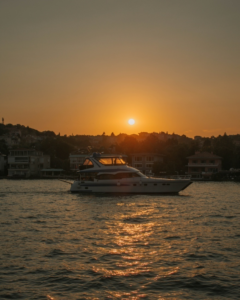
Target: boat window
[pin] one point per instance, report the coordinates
(105, 161)
(87, 162)
(105, 176)
(123, 175)
(111, 161)
(118, 161)
(86, 165)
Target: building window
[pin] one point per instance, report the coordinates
(138, 165)
(138, 158)
(21, 159)
(149, 165)
(150, 158)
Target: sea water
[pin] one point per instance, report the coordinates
(58, 245)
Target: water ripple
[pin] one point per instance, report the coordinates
(56, 245)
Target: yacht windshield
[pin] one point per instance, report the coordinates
(87, 162)
(86, 165)
(108, 161)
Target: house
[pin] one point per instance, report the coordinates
(144, 161)
(27, 162)
(202, 165)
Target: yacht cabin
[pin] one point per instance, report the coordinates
(106, 168)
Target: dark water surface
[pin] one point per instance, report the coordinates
(57, 245)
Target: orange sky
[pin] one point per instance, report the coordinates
(86, 67)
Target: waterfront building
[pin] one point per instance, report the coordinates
(27, 162)
(203, 164)
(144, 161)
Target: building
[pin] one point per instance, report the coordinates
(203, 164)
(3, 163)
(27, 162)
(144, 161)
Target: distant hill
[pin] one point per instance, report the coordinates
(25, 130)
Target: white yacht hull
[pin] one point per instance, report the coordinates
(143, 186)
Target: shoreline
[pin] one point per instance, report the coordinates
(74, 178)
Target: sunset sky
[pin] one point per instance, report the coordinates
(88, 66)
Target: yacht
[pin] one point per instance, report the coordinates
(110, 174)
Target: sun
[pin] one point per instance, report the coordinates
(131, 121)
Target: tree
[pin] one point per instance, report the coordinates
(224, 147)
(150, 144)
(129, 145)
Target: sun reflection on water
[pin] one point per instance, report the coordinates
(127, 252)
